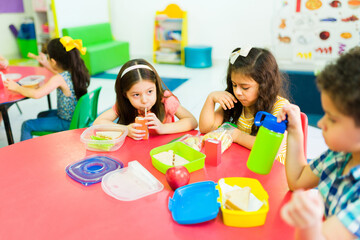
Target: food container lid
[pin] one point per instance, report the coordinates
(195, 203)
(130, 183)
(90, 170)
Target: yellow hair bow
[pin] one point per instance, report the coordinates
(70, 43)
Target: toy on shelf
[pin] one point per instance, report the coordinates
(170, 35)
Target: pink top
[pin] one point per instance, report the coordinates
(171, 104)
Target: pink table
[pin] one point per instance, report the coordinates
(7, 98)
(39, 201)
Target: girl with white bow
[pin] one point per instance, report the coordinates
(254, 83)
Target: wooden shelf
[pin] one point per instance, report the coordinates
(170, 35)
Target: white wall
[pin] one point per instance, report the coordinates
(224, 25)
(8, 45)
(73, 13)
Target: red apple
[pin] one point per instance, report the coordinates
(177, 176)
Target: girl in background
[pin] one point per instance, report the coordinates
(254, 83)
(139, 92)
(71, 82)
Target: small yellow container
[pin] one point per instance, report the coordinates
(235, 218)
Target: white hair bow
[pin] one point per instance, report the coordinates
(244, 51)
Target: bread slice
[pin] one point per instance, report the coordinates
(111, 135)
(238, 199)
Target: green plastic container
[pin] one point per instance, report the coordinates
(267, 143)
(196, 159)
(26, 46)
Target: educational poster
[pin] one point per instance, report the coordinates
(311, 30)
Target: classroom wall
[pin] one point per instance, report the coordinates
(8, 45)
(224, 25)
(81, 12)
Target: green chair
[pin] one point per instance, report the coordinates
(85, 112)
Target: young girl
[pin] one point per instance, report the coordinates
(71, 81)
(139, 92)
(254, 83)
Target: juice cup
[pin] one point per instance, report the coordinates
(142, 121)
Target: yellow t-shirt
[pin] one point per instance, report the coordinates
(244, 124)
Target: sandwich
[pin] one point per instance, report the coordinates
(109, 135)
(238, 199)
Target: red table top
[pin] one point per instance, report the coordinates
(39, 201)
(10, 96)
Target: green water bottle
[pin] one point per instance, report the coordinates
(267, 142)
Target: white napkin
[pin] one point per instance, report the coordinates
(254, 203)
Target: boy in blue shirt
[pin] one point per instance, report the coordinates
(336, 172)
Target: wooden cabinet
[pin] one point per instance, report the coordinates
(170, 35)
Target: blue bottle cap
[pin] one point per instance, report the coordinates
(269, 121)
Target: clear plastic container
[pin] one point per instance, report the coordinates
(130, 183)
(92, 141)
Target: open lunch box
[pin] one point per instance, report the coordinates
(200, 202)
(196, 159)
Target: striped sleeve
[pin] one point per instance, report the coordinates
(280, 102)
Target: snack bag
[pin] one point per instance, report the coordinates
(223, 134)
(194, 141)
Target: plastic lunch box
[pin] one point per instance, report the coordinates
(200, 202)
(196, 159)
(103, 145)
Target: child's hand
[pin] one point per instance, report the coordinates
(3, 64)
(42, 59)
(11, 85)
(292, 113)
(224, 98)
(154, 123)
(304, 210)
(134, 133)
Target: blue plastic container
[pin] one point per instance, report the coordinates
(91, 169)
(195, 203)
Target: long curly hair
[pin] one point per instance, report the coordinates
(72, 62)
(262, 67)
(341, 80)
(126, 112)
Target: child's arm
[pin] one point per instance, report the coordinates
(209, 118)
(54, 82)
(305, 212)
(243, 138)
(42, 59)
(298, 172)
(109, 116)
(186, 122)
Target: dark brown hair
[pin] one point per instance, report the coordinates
(341, 80)
(261, 66)
(126, 112)
(72, 62)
